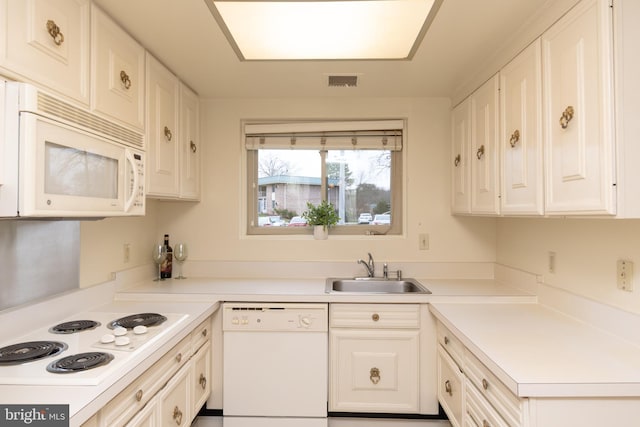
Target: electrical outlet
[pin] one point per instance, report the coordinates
(423, 242)
(625, 275)
(126, 252)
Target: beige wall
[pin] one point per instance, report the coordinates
(586, 254)
(102, 245)
(213, 228)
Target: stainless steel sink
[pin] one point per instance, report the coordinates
(374, 285)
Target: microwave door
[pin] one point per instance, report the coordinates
(75, 173)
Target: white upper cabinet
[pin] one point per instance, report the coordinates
(460, 146)
(578, 112)
(521, 133)
(474, 155)
(189, 144)
(163, 150)
(47, 42)
(117, 72)
(485, 192)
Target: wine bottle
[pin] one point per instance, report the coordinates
(165, 268)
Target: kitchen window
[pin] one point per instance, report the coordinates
(355, 165)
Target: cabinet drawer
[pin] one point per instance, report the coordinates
(384, 316)
(123, 407)
(497, 394)
(479, 413)
(450, 382)
(451, 344)
(200, 334)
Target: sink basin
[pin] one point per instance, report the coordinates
(375, 285)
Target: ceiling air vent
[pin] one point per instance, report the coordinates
(343, 81)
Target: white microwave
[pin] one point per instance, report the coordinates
(62, 161)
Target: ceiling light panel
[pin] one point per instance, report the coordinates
(324, 30)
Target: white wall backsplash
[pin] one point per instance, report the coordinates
(39, 259)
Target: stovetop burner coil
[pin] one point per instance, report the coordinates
(74, 326)
(79, 362)
(29, 351)
(144, 319)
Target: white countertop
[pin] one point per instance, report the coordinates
(313, 290)
(536, 351)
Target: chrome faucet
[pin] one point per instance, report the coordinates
(370, 266)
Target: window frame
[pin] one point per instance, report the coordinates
(397, 196)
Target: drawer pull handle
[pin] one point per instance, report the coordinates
(193, 146)
(374, 375)
(139, 395)
(177, 415)
(447, 387)
(480, 152)
(457, 160)
(167, 133)
(566, 117)
(485, 384)
(203, 381)
(485, 423)
(54, 32)
(446, 340)
(124, 78)
(515, 137)
(179, 357)
(375, 317)
(204, 332)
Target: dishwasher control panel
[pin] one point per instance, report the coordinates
(275, 317)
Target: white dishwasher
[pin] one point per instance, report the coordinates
(275, 360)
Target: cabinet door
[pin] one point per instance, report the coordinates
(162, 134)
(521, 133)
(374, 371)
(117, 70)
(578, 116)
(485, 195)
(461, 140)
(450, 391)
(174, 401)
(200, 378)
(190, 146)
(48, 43)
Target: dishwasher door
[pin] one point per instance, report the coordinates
(275, 360)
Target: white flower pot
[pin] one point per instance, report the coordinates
(320, 232)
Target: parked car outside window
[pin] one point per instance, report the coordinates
(297, 221)
(365, 218)
(381, 219)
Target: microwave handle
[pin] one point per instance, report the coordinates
(132, 197)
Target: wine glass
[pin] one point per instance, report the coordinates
(180, 253)
(158, 256)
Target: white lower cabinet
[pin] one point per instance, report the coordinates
(171, 392)
(469, 393)
(374, 358)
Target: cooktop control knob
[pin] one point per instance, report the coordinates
(305, 321)
(120, 331)
(140, 329)
(122, 340)
(107, 338)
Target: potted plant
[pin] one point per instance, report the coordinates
(321, 217)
